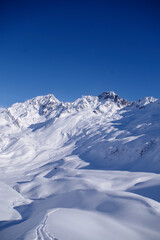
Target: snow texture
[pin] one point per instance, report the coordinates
(79, 171)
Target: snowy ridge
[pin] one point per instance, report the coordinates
(42, 107)
(92, 162)
(144, 101)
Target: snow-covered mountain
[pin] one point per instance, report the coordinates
(73, 171)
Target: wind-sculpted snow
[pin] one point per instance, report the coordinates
(83, 170)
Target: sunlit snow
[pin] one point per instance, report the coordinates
(85, 170)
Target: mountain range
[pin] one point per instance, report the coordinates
(88, 169)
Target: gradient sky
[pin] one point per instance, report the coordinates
(74, 48)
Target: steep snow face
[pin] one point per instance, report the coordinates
(33, 110)
(93, 161)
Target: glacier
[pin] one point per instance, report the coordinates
(88, 169)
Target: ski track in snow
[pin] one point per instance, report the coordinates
(42, 233)
(96, 158)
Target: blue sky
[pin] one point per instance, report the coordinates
(74, 48)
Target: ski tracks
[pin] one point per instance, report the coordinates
(41, 231)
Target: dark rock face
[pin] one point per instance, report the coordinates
(113, 97)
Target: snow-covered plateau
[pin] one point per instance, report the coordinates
(87, 170)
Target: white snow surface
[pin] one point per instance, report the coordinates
(85, 170)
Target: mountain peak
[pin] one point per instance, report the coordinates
(112, 96)
(141, 103)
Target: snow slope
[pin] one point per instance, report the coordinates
(83, 170)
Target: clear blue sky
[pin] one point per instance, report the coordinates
(74, 48)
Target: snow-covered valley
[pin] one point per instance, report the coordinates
(80, 171)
